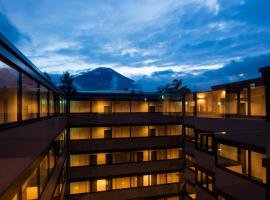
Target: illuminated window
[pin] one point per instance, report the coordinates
(30, 188)
(157, 131)
(189, 104)
(51, 103)
(258, 172)
(80, 106)
(161, 179)
(8, 94)
(139, 131)
(79, 160)
(51, 160)
(231, 103)
(120, 106)
(161, 154)
(190, 134)
(79, 133)
(101, 132)
(205, 142)
(101, 106)
(257, 101)
(43, 101)
(100, 185)
(79, 187)
(101, 159)
(121, 132)
(120, 157)
(29, 98)
(134, 181)
(120, 183)
(190, 162)
(174, 153)
(139, 156)
(174, 130)
(233, 159)
(242, 161)
(139, 106)
(173, 177)
(204, 179)
(155, 107)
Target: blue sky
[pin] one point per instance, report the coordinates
(203, 42)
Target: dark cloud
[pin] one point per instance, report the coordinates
(234, 71)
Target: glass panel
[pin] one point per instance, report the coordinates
(190, 134)
(8, 93)
(120, 183)
(120, 132)
(79, 187)
(79, 106)
(102, 185)
(155, 107)
(29, 98)
(139, 106)
(43, 101)
(146, 180)
(161, 179)
(258, 172)
(51, 103)
(51, 160)
(189, 104)
(157, 130)
(257, 98)
(243, 102)
(120, 157)
(231, 103)
(79, 133)
(30, 188)
(79, 160)
(101, 158)
(173, 177)
(161, 154)
(174, 129)
(139, 131)
(101, 107)
(134, 181)
(120, 106)
(173, 153)
(233, 158)
(101, 132)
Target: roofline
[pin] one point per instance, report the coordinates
(24, 64)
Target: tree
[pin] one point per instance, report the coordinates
(174, 89)
(67, 84)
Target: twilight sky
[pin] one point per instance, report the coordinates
(203, 42)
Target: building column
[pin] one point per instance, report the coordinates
(266, 79)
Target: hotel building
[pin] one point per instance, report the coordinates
(130, 145)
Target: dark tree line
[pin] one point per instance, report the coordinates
(175, 88)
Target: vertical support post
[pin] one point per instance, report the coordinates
(266, 79)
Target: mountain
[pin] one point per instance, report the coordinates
(103, 79)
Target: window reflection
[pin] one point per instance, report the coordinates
(29, 98)
(8, 94)
(43, 101)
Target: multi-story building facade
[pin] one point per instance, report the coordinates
(129, 145)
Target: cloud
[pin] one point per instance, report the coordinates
(236, 70)
(10, 30)
(154, 39)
